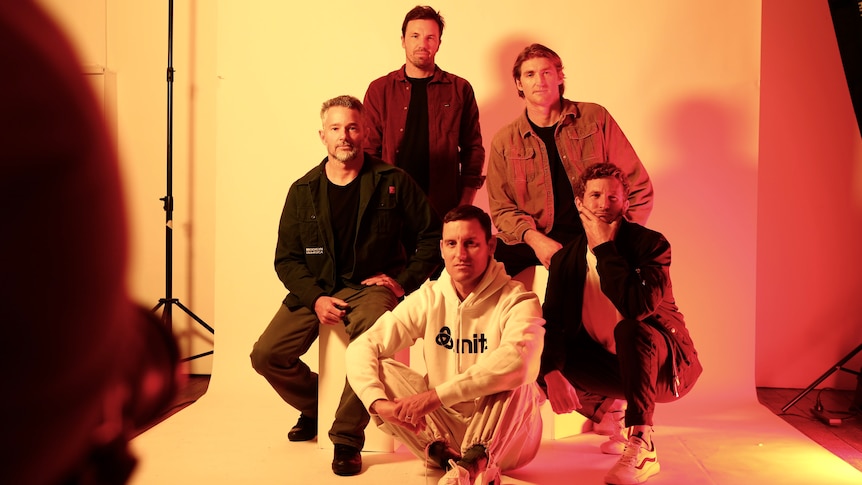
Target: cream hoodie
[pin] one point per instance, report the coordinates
(489, 343)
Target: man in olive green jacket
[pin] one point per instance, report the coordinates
(355, 235)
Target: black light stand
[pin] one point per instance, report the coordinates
(838, 366)
(169, 301)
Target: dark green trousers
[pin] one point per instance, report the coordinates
(276, 356)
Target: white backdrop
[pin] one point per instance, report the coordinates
(666, 70)
(681, 78)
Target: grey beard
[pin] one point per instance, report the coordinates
(346, 156)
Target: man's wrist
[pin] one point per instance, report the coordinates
(372, 409)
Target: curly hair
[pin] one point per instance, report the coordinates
(600, 171)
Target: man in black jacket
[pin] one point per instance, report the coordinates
(355, 235)
(613, 328)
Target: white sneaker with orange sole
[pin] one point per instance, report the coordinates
(636, 465)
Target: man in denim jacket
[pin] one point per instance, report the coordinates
(342, 255)
(536, 160)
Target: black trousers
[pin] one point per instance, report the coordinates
(639, 372)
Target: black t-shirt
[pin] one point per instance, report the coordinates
(566, 218)
(344, 204)
(413, 156)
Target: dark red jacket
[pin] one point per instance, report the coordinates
(455, 140)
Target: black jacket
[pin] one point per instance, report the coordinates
(397, 233)
(634, 270)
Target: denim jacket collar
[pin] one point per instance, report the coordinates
(568, 114)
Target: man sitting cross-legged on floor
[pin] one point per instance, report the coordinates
(476, 411)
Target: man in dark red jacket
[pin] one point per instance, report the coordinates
(425, 120)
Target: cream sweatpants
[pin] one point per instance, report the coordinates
(508, 424)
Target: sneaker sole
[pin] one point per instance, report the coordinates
(636, 480)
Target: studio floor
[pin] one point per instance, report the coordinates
(237, 436)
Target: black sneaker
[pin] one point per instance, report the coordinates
(304, 430)
(475, 460)
(347, 461)
(440, 453)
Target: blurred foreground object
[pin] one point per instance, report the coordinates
(80, 364)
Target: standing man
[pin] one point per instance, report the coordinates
(476, 411)
(425, 120)
(341, 255)
(536, 160)
(613, 326)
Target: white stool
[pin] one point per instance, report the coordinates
(332, 344)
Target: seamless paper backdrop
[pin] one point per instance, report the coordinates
(684, 92)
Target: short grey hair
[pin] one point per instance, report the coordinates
(344, 101)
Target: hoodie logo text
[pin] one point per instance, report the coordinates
(477, 345)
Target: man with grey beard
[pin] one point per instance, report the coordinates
(341, 254)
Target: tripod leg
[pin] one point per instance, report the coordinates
(198, 356)
(822, 378)
(197, 318)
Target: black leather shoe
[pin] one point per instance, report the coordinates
(304, 430)
(347, 461)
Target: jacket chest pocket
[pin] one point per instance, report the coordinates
(309, 228)
(522, 165)
(447, 118)
(584, 146)
(386, 218)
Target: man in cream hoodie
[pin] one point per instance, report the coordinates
(476, 411)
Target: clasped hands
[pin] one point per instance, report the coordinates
(408, 412)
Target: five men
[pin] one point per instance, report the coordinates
(476, 411)
(341, 254)
(425, 120)
(613, 327)
(357, 234)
